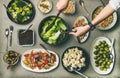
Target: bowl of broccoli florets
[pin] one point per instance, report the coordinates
(54, 35)
(20, 11)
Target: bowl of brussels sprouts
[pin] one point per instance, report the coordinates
(20, 11)
(102, 55)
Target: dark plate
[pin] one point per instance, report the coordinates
(40, 30)
(84, 55)
(30, 16)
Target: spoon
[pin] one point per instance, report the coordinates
(11, 31)
(27, 29)
(75, 70)
(81, 2)
(112, 43)
(45, 49)
(7, 34)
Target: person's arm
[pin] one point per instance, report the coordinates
(107, 11)
(61, 4)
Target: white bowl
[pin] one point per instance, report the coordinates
(110, 25)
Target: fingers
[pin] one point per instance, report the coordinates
(75, 24)
(73, 33)
(74, 30)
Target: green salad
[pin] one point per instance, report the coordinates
(54, 35)
(20, 10)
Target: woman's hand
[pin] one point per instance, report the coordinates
(61, 4)
(79, 31)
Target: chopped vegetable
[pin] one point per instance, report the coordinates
(20, 10)
(54, 34)
(39, 60)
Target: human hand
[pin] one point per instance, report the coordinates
(79, 31)
(61, 4)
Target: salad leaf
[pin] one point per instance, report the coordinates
(53, 38)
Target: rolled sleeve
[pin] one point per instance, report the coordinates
(115, 4)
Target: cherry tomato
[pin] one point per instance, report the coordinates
(32, 59)
(26, 55)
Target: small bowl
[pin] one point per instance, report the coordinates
(11, 57)
(27, 38)
(45, 8)
(82, 21)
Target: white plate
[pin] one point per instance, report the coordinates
(36, 69)
(85, 38)
(110, 25)
(87, 34)
(97, 69)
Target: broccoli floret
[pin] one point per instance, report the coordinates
(53, 38)
(23, 13)
(29, 12)
(24, 19)
(14, 14)
(10, 9)
(26, 8)
(21, 18)
(13, 5)
(30, 5)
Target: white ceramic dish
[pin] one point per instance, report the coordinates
(36, 69)
(51, 5)
(74, 3)
(110, 25)
(97, 69)
(87, 34)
